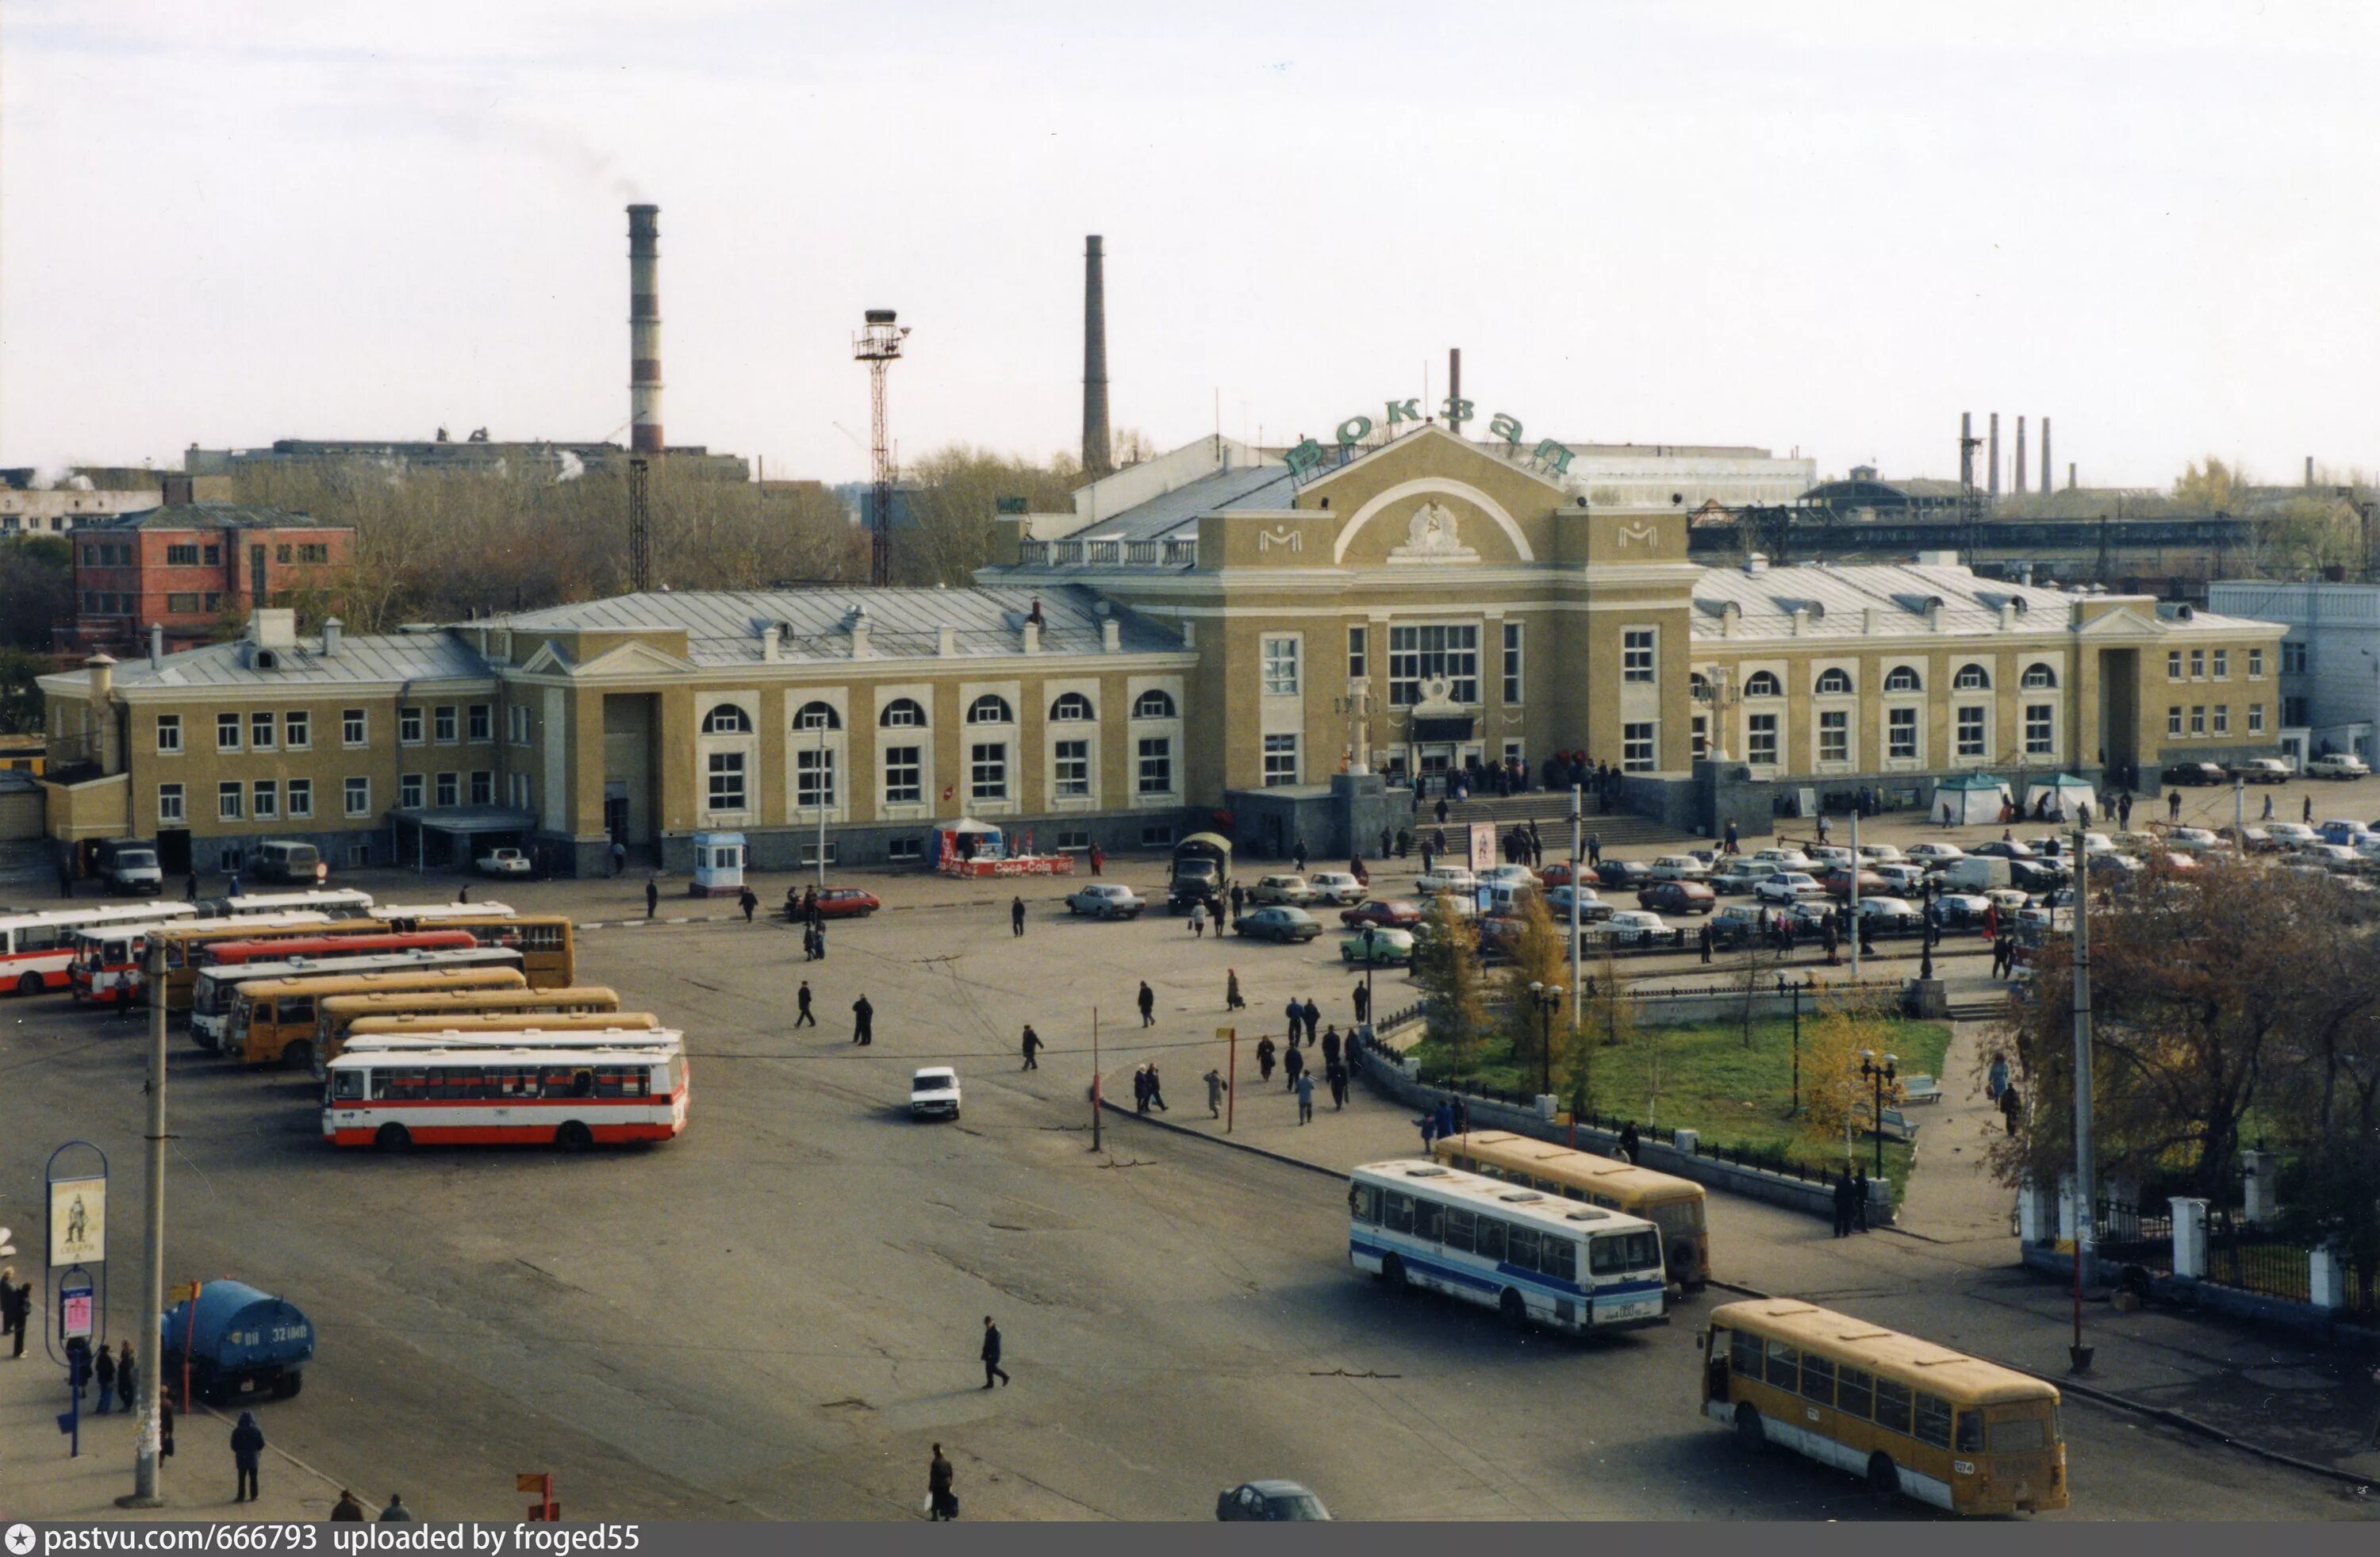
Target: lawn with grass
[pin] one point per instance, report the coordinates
(1738, 1096)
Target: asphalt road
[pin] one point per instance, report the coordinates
(775, 1315)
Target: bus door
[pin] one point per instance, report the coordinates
(1715, 1344)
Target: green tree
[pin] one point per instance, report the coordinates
(2214, 488)
(21, 710)
(1535, 955)
(36, 588)
(954, 499)
(1446, 967)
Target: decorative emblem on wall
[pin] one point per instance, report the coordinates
(1640, 534)
(1431, 537)
(1293, 539)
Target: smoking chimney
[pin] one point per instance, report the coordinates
(2048, 480)
(2021, 471)
(644, 328)
(1994, 478)
(1095, 359)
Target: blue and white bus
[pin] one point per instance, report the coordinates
(1533, 1257)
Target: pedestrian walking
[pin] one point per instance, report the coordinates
(1331, 1046)
(1016, 916)
(1306, 1099)
(1031, 1045)
(1428, 1123)
(1440, 812)
(1337, 1077)
(397, 1513)
(13, 1305)
(810, 943)
(246, 1454)
(104, 1372)
(2268, 808)
(652, 897)
(1292, 1065)
(1264, 1073)
(2173, 805)
(1594, 851)
(1198, 920)
(1140, 1089)
(1997, 1079)
(619, 857)
(1859, 1198)
(348, 1509)
(747, 903)
(1238, 900)
(1157, 1089)
(127, 1378)
(863, 1021)
(818, 940)
(1214, 1080)
(2124, 813)
(190, 887)
(1385, 842)
(1297, 858)
(1630, 1141)
(2012, 1106)
(806, 1018)
(1843, 1204)
(463, 893)
(1313, 1014)
(1098, 860)
(941, 1500)
(1231, 1001)
(1148, 1004)
(991, 1368)
(2307, 814)
(1731, 836)
(1404, 843)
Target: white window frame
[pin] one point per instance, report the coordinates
(1758, 724)
(2255, 665)
(1280, 655)
(1070, 768)
(261, 726)
(446, 725)
(2255, 718)
(913, 765)
(169, 735)
(1153, 765)
(1515, 663)
(1281, 755)
(300, 798)
(446, 789)
(231, 799)
(2222, 719)
(355, 794)
(479, 724)
(1359, 647)
(1640, 654)
(173, 805)
(1907, 717)
(409, 726)
(2040, 718)
(483, 786)
(1834, 739)
(727, 771)
(1971, 732)
(411, 787)
(815, 784)
(987, 770)
(1405, 690)
(2222, 665)
(2198, 665)
(2173, 665)
(2198, 719)
(1640, 746)
(2173, 721)
(355, 727)
(264, 799)
(232, 726)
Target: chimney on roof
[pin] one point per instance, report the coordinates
(859, 627)
(645, 328)
(156, 645)
(101, 711)
(176, 489)
(1095, 359)
(2019, 457)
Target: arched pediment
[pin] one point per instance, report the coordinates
(1430, 519)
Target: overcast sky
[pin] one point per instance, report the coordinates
(1829, 226)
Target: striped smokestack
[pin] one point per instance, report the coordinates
(1095, 359)
(644, 328)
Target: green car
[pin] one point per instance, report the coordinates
(1389, 948)
(1281, 924)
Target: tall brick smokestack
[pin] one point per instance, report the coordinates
(644, 328)
(2048, 482)
(1095, 359)
(2022, 474)
(1993, 477)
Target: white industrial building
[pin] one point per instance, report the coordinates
(2330, 660)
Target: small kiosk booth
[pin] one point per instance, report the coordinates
(718, 865)
(969, 848)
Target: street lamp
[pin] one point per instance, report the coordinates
(1370, 933)
(1926, 942)
(1878, 1077)
(1549, 999)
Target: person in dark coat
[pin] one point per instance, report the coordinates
(1313, 1015)
(1630, 1141)
(1031, 1043)
(1264, 1071)
(165, 1424)
(1148, 1001)
(1445, 1119)
(1140, 1089)
(1462, 1116)
(1214, 1080)
(103, 1369)
(397, 1513)
(246, 1454)
(942, 1503)
(190, 888)
(652, 897)
(1330, 1046)
(348, 1508)
(1844, 1192)
(1016, 916)
(1294, 1065)
(1363, 1005)
(1231, 1001)
(2012, 1106)
(802, 1000)
(863, 1021)
(1157, 1089)
(127, 1379)
(1859, 1197)
(16, 1305)
(818, 936)
(747, 903)
(1337, 1076)
(991, 1368)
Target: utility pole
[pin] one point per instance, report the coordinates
(1231, 1078)
(152, 1288)
(1094, 1077)
(1853, 930)
(1577, 858)
(823, 780)
(2085, 1212)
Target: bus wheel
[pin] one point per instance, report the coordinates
(1883, 1478)
(30, 984)
(297, 1056)
(392, 1138)
(1393, 1271)
(1748, 1430)
(573, 1137)
(1514, 1309)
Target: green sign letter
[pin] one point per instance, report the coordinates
(1404, 411)
(1354, 430)
(1456, 412)
(1505, 427)
(1306, 456)
(1553, 455)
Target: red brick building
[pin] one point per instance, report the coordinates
(183, 565)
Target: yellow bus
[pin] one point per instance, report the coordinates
(336, 1016)
(549, 956)
(186, 945)
(1674, 1205)
(271, 1020)
(1914, 1419)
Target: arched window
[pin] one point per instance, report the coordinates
(1835, 682)
(1972, 677)
(727, 720)
(2037, 677)
(903, 713)
(989, 709)
(1699, 686)
(818, 716)
(1153, 705)
(1072, 707)
(1903, 679)
(1763, 683)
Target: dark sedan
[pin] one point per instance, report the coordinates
(1628, 874)
(1268, 1501)
(1677, 897)
(2194, 773)
(1278, 923)
(1388, 914)
(2004, 848)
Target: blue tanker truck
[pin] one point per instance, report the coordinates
(237, 1341)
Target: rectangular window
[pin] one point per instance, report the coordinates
(2173, 665)
(2197, 665)
(1488, 1239)
(301, 798)
(359, 797)
(182, 556)
(1421, 654)
(902, 848)
(408, 726)
(1818, 1378)
(169, 733)
(2173, 719)
(352, 727)
(1891, 1405)
(1701, 736)
(987, 770)
(1358, 661)
(905, 775)
(185, 603)
(1784, 1366)
(228, 799)
(483, 788)
(2222, 665)
(169, 805)
(1281, 667)
(813, 780)
(449, 788)
(1901, 734)
(2198, 719)
(1280, 760)
(408, 791)
(1070, 768)
(1744, 1354)
(1760, 739)
(298, 731)
(1856, 1393)
(1933, 1416)
(260, 732)
(1835, 735)
(2293, 710)
(2222, 719)
(1511, 662)
(726, 781)
(442, 724)
(226, 732)
(281, 554)
(1639, 746)
(482, 726)
(2256, 665)
(1637, 655)
(1972, 742)
(1156, 835)
(1157, 767)
(2293, 658)
(2255, 718)
(2040, 728)
(313, 552)
(213, 557)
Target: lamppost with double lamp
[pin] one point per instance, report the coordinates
(1878, 1077)
(1370, 933)
(1549, 999)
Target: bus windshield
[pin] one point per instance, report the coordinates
(1614, 1254)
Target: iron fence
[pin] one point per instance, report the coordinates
(2128, 1234)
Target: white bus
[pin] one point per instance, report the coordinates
(109, 955)
(37, 951)
(339, 902)
(413, 915)
(469, 1096)
(1533, 1257)
(218, 988)
(527, 1036)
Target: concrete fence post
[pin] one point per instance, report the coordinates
(2032, 1215)
(2261, 1179)
(1688, 1142)
(2326, 1276)
(2189, 1238)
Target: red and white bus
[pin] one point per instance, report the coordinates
(471, 1095)
(38, 950)
(109, 955)
(340, 902)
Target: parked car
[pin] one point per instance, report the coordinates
(1447, 878)
(1879, 854)
(1629, 928)
(1783, 859)
(1392, 913)
(1291, 889)
(2251, 837)
(2008, 899)
(1591, 909)
(1901, 875)
(1935, 854)
(1278, 923)
(2002, 849)
(934, 1094)
(1837, 883)
(1268, 1501)
(1337, 889)
(2193, 841)
(129, 866)
(2262, 770)
(293, 865)
(1627, 873)
(1558, 874)
(1959, 908)
(847, 902)
(2339, 765)
(2345, 831)
(1508, 876)
(1383, 949)
(1740, 877)
(1825, 856)
(1735, 923)
(1787, 886)
(1679, 867)
(503, 861)
(1677, 897)
(1889, 910)
(1106, 899)
(2194, 773)
(2329, 857)
(2291, 835)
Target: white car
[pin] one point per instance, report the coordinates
(1879, 853)
(1935, 854)
(1629, 926)
(1901, 875)
(2008, 899)
(503, 861)
(2291, 835)
(934, 1094)
(2339, 765)
(1783, 859)
(1741, 875)
(1292, 891)
(1680, 867)
(2329, 857)
(1831, 854)
(1447, 878)
(1957, 905)
(1786, 886)
(2194, 840)
(1106, 899)
(1337, 889)
(1893, 908)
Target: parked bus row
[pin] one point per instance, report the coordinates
(37, 951)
